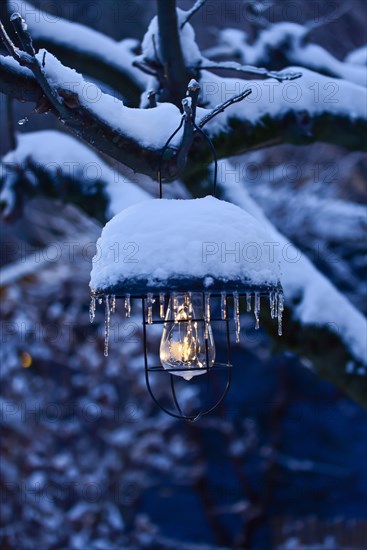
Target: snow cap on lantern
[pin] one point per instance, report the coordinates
(184, 245)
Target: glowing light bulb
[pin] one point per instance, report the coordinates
(187, 337)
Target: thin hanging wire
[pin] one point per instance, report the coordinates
(162, 155)
(215, 179)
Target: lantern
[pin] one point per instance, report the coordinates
(188, 263)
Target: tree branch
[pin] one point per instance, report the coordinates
(237, 133)
(89, 51)
(320, 324)
(248, 69)
(18, 83)
(243, 135)
(283, 44)
(223, 106)
(176, 73)
(196, 7)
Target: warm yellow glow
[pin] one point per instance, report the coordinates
(25, 360)
(183, 346)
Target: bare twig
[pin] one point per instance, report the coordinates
(330, 18)
(220, 108)
(28, 59)
(234, 66)
(196, 7)
(142, 65)
(22, 33)
(8, 43)
(90, 52)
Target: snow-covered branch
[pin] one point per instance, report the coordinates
(18, 82)
(54, 165)
(88, 51)
(283, 44)
(123, 133)
(207, 64)
(331, 231)
(313, 108)
(320, 323)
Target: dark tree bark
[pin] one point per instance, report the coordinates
(176, 74)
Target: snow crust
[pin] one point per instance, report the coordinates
(318, 302)
(184, 238)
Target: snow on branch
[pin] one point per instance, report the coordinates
(286, 42)
(310, 109)
(123, 133)
(55, 165)
(176, 51)
(314, 108)
(328, 229)
(320, 323)
(248, 69)
(89, 51)
(18, 82)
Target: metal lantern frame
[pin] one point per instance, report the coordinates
(147, 293)
(146, 290)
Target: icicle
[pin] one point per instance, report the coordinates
(276, 294)
(280, 313)
(223, 305)
(236, 309)
(161, 305)
(207, 314)
(175, 306)
(113, 304)
(100, 301)
(191, 309)
(107, 325)
(248, 301)
(150, 308)
(257, 310)
(92, 308)
(127, 305)
(272, 303)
